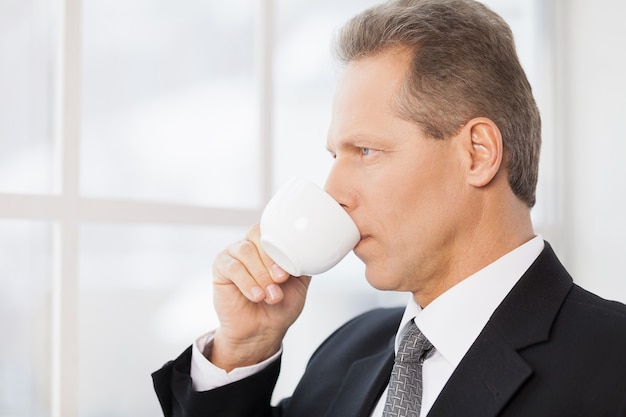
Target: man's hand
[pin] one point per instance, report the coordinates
(256, 302)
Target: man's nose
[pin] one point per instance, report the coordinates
(337, 185)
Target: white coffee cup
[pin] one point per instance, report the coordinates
(305, 231)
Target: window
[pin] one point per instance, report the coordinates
(25, 324)
(138, 139)
(28, 61)
(169, 102)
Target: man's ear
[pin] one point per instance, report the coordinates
(484, 144)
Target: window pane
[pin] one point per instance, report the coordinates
(27, 73)
(305, 77)
(169, 102)
(145, 295)
(25, 283)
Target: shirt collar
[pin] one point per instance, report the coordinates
(453, 321)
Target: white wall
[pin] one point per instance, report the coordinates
(591, 74)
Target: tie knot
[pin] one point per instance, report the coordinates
(413, 347)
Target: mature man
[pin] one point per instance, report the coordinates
(436, 136)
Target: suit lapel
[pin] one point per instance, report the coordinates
(363, 385)
(488, 376)
(493, 370)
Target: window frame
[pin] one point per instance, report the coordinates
(67, 209)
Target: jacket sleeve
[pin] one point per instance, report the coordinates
(249, 397)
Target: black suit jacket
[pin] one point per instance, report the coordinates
(550, 349)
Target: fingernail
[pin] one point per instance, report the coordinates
(273, 292)
(257, 293)
(278, 272)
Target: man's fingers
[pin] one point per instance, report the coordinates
(230, 271)
(257, 269)
(277, 273)
(241, 265)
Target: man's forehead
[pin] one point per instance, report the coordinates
(372, 81)
(368, 90)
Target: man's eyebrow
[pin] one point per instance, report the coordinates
(356, 140)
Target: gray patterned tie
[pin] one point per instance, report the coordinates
(404, 397)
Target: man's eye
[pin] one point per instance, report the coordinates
(365, 151)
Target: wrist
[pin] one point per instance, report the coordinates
(227, 353)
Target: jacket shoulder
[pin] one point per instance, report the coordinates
(593, 302)
(596, 314)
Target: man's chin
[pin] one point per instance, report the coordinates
(379, 280)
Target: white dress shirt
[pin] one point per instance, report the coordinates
(451, 322)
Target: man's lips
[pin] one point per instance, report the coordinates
(363, 239)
